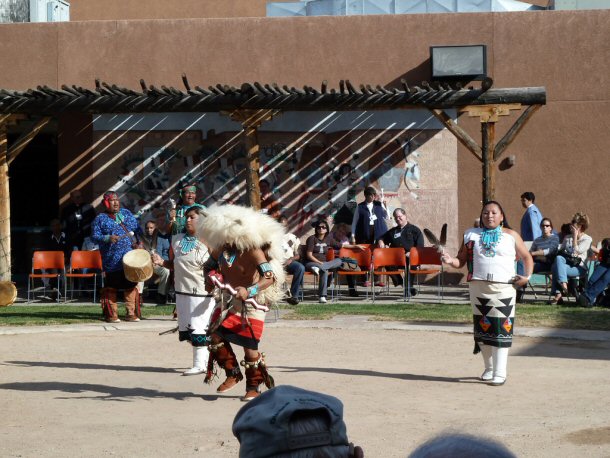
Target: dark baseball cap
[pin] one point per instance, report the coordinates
(262, 426)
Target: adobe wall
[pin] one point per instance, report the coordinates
(561, 154)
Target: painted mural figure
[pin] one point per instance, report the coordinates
(245, 271)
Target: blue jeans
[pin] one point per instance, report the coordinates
(297, 270)
(324, 272)
(598, 282)
(562, 271)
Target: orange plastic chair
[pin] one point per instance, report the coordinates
(425, 256)
(47, 260)
(364, 262)
(80, 260)
(394, 258)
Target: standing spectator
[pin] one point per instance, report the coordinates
(55, 241)
(76, 218)
(571, 257)
(154, 242)
(269, 204)
(404, 235)
(530, 222)
(600, 278)
(177, 216)
(489, 252)
(368, 224)
(291, 246)
(115, 232)
(317, 247)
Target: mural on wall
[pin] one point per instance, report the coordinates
(306, 174)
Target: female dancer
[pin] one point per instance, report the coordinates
(489, 252)
(194, 304)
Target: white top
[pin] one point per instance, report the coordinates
(499, 268)
(188, 268)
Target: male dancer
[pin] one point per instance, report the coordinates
(114, 231)
(246, 256)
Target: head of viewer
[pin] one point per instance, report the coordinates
(400, 216)
(369, 194)
(291, 422)
(527, 199)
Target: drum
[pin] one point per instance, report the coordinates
(8, 293)
(137, 265)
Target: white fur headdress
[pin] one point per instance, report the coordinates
(246, 229)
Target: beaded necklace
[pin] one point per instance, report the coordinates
(187, 244)
(489, 239)
(229, 257)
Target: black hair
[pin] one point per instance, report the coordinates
(529, 196)
(546, 219)
(325, 223)
(504, 223)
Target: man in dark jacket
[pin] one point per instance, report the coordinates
(369, 223)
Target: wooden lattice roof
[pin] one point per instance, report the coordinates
(110, 98)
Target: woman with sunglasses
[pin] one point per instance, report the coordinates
(317, 247)
(576, 245)
(544, 248)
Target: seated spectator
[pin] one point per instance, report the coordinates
(291, 246)
(154, 242)
(461, 446)
(340, 238)
(55, 240)
(575, 246)
(288, 422)
(403, 235)
(600, 279)
(317, 247)
(543, 250)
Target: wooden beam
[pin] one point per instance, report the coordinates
(25, 139)
(514, 130)
(490, 113)
(5, 209)
(459, 133)
(488, 132)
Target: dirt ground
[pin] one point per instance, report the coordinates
(117, 391)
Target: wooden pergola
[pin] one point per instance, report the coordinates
(254, 103)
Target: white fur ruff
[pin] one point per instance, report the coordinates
(247, 229)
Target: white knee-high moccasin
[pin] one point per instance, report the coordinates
(200, 361)
(488, 373)
(500, 360)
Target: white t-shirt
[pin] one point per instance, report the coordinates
(498, 268)
(188, 268)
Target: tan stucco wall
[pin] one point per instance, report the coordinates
(562, 153)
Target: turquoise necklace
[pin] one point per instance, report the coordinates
(489, 239)
(229, 257)
(187, 244)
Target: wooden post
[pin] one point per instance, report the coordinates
(5, 209)
(488, 130)
(252, 175)
(251, 121)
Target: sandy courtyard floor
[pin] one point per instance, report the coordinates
(118, 392)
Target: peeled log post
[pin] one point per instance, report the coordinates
(253, 161)
(5, 209)
(488, 130)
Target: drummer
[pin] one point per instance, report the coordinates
(187, 256)
(117, 232)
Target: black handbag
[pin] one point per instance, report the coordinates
(571, 260)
